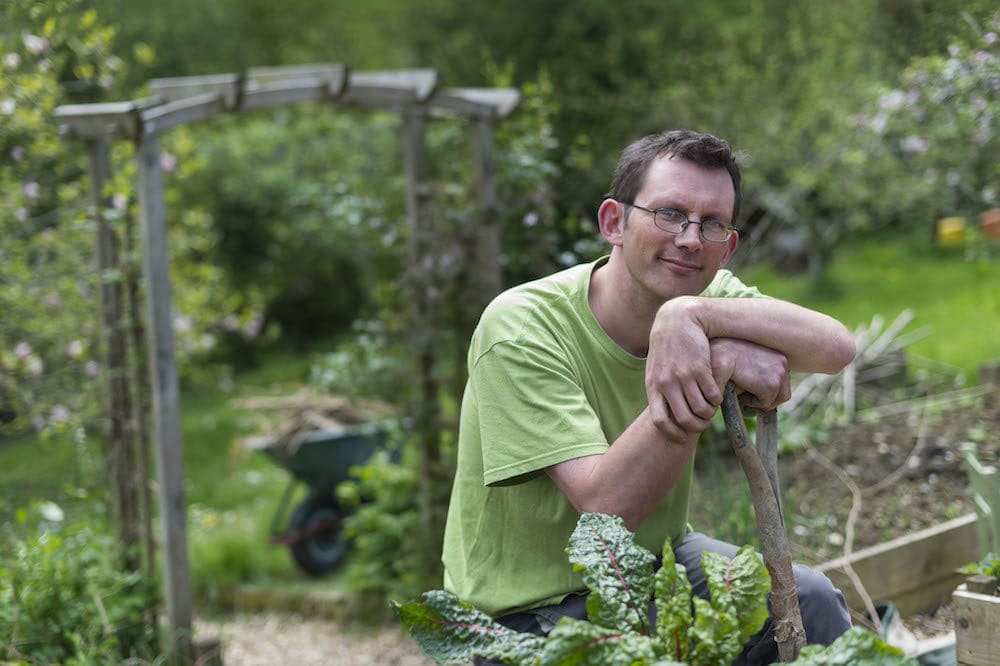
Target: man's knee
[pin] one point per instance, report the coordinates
(824, 612)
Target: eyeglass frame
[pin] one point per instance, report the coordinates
(684, 225)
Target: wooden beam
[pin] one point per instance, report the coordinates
(185, 111)
(390, 88)
(181, 87)
(916, 571)
(331, 75)
(166, 397)
(116, 120)
(496, 103)
(284, 93)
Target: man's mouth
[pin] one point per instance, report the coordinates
(682, 267)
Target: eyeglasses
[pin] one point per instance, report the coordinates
(674, 221)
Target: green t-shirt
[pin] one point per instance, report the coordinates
(546, 385)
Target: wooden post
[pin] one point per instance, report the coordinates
(121, 433)
(166, 398)
(417, 201)
(487, 259)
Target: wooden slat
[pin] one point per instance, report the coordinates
(158, 120)
(977, 628)
(288, 92)
(94, 121)
(387, 88)
(478, 102)
(183, 87)
(916, 572)
(333, 75)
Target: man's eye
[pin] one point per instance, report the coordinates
(671, 215)
(713, 224)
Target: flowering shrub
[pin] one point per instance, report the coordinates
(942, 122)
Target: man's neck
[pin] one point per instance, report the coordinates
(623, 313)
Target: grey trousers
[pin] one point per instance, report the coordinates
(824, 612)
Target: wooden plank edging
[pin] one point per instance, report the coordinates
(917, 572)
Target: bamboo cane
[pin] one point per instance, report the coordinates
(760, 466)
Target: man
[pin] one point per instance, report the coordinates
(588, 390)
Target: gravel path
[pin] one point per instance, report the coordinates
(266, 639)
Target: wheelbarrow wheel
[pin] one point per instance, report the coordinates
(320, 548)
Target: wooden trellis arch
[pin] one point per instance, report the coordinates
(414, 94)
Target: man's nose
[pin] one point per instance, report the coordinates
(690, 236)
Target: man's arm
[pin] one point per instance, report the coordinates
(645, 462)
(680, 382)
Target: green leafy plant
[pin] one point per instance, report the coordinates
(988, 566)
(64, 600)
(622, 582)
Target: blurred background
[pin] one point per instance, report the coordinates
(869, 131)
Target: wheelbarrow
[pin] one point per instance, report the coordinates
(320, 459)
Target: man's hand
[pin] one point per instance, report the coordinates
(759, 372)
(681, 385)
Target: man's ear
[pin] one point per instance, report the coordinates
(734, 242)
(611, 218)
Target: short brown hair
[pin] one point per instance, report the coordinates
(705, 150)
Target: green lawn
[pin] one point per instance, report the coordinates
(956, 298)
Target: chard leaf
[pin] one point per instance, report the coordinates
(673, 607)
(714, 633)
(745, 580)
(580, 643)
(618, 573)
(451, 631)
(855, 647)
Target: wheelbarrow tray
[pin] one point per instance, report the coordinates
(324, 457)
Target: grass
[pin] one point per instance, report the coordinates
(955, 297)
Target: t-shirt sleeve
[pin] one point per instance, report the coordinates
(725, 284)
(533, 413)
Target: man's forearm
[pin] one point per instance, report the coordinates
(631, 477)
(811, 341)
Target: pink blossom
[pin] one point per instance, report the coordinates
(35, 366)
(990, 38)
(119, 201)
(31, 190)
(953, 50)
(22, 350)
(254, 326)
(7, 107)
(231, 323)
(168, 162)
(11, 60)
(35, 44)
(16, 153)
(74, 349)
(183, 324)
(91, 369)
(531, 219)
(59, 414)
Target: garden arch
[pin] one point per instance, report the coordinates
(413, 93)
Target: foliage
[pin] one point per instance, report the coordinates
(63, 600)
(988, 566)
(622, 582)
(51, 53)
(941, 122)
(393, 554)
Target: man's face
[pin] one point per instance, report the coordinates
(669, 265)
